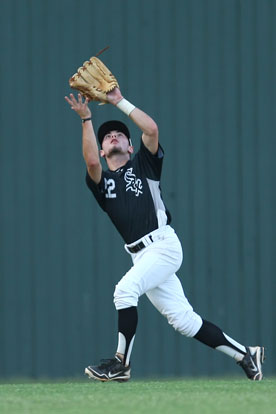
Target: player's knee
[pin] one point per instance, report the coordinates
(124, 298)
(187, 324)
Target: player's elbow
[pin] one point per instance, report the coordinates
(91, 159)
(94, 170)
(92, 163)
(152, 128)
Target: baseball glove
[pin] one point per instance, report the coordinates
(94, 80)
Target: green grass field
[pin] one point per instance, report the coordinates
(195, 396)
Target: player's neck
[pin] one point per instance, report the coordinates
(116, 161)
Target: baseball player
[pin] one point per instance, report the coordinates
(129, 192)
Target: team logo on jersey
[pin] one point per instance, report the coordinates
(133, 184)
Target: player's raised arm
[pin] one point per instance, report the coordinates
(89, 144)
(140, 118)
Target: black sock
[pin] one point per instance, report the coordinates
(209, 334)
(127, 324)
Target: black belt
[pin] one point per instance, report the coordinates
(139, 246)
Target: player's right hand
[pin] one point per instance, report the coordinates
(79, 106)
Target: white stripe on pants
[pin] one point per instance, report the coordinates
(153, 273)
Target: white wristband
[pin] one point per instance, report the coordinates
(125, 106)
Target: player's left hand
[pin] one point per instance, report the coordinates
(114, 96)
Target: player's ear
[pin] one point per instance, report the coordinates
(130, 149)
(102, 154)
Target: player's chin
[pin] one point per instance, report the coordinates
(114, 151)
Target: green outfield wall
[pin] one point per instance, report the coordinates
(205, 71)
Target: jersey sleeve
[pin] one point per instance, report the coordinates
(151, 163)
(97, 189)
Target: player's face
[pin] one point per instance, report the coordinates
(115, 142)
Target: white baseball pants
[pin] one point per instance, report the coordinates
(153, 273)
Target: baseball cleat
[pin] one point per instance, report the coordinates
(252, 362)
(109, 370)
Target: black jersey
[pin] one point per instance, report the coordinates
(131, 195)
